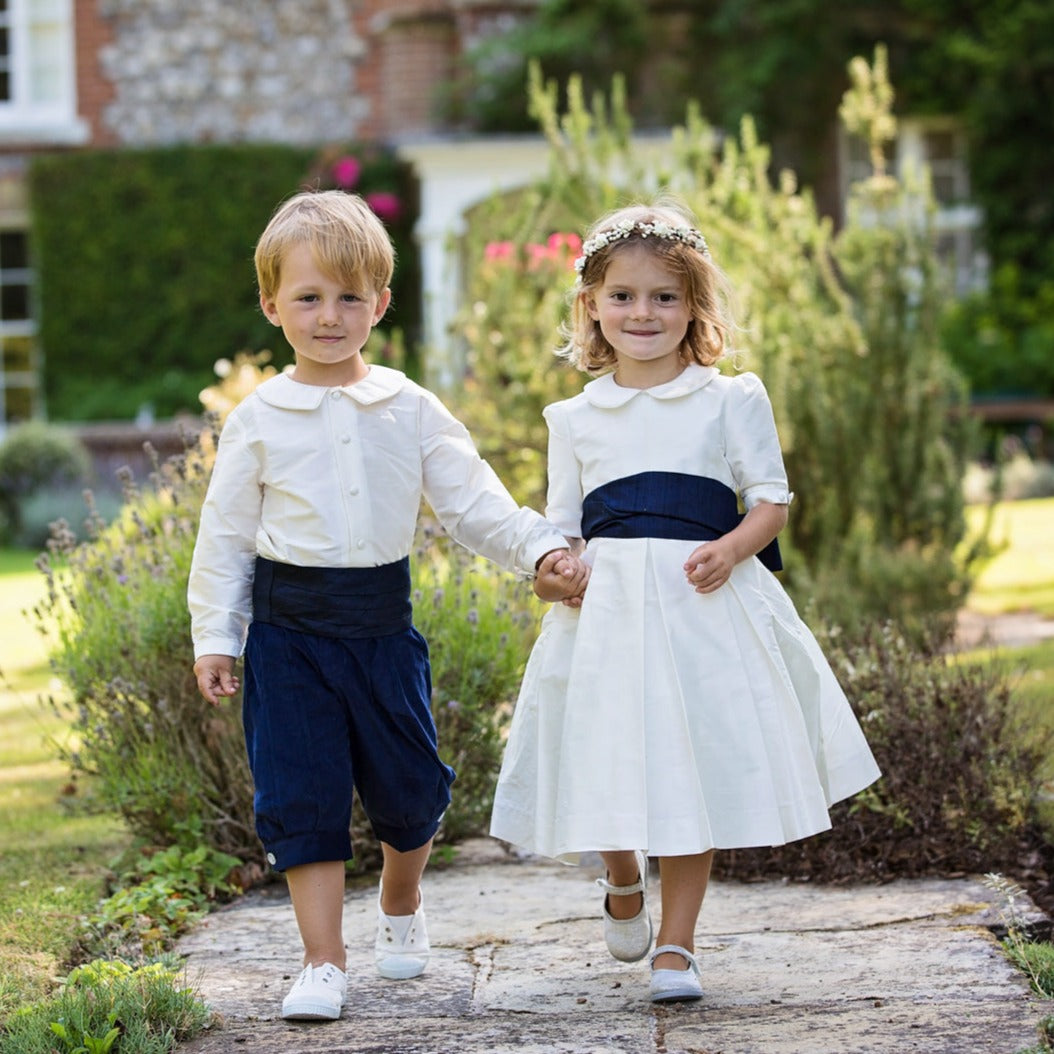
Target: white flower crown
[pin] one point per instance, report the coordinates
(686, 235)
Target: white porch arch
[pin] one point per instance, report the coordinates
(454, 175)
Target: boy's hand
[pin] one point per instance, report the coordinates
(216, 680)
(561, 576)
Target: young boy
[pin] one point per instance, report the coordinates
(302, 561)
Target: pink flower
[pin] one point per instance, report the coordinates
(498, 251)
(386, 205)
(565, 245)
(346, 172)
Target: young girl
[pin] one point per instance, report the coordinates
(684, 706)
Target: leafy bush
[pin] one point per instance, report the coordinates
(842, 330)
(173, 766)
(959, 775)
(479, 624)
(115, 610)
(35, 457)
(171, 230)
(110, 1006)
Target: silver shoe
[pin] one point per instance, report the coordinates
(675, 986)
(628, 940)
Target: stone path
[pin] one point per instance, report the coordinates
(519, 965)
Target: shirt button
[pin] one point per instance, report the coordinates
(353, 491)
(360, 544)
(345, 438)
(334, 395)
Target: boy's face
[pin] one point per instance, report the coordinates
(325, 321)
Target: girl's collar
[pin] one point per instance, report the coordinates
(608, 395)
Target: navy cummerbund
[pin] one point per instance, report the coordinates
(666, 505)
(334, 601)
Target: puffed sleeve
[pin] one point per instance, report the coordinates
(752, 446)
(219, 591)
(564, 498)
(471, 502)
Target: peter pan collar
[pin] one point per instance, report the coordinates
(608, 395)
(283, 392)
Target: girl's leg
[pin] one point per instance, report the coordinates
(684, 882)
(401, 879)
(317, 892)
(622, 871)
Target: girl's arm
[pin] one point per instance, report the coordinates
(711, 564)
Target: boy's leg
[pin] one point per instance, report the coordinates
(317, 892)
(684, 882)
(401, 879)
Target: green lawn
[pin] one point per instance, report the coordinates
(1020, 577)
(53, 852)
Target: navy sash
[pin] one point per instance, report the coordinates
(666, 505)
(334, 601)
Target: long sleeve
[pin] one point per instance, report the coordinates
(219, 592)
(471, 502)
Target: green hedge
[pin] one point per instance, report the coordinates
(144, 266)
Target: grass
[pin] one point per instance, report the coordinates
(1020, 576)
(54, 853)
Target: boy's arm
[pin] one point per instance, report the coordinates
(219, 590)
(472, 503)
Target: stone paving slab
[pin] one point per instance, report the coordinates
(519, 965)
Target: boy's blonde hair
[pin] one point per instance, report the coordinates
(707, 291)
(347, 239)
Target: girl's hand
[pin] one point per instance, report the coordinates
(216, 680)
(561, 576)
(709, 566)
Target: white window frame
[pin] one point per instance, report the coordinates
(958, 223)
(24, 119)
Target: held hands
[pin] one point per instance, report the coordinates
(561, 576)
(216, 680)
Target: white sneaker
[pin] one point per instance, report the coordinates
(317, 994)
(401, 948)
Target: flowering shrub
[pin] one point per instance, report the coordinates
(173, 766)
(842, 330)
(516, 296)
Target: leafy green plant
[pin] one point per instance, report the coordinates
(110, 1006)
(159, 897)
(1033, 957)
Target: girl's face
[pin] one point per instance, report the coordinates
(643, 315)
(325, 321)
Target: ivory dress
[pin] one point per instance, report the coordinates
(655, 717)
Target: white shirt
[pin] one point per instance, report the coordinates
(333, 477)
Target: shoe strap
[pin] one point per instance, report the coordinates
(684, 953)
(621, 891)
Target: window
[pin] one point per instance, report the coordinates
(19, 385)
(37, 81)
(939, 145)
